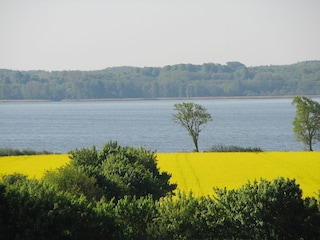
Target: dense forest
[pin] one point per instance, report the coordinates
(181, 80)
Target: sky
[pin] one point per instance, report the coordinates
(96, 34)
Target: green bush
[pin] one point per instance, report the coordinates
(31, 209)
(117, 171)
(232, 148)
(5, 151)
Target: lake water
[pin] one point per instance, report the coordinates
(64, 126)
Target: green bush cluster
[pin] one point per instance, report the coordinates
(113, 171)
(31, 209)
(232, 148)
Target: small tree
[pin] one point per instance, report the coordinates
(191, 116)
(306, 124)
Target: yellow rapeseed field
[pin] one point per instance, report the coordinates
(200, 172)
(33, 166)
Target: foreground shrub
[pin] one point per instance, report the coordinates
(181, 218)
(136, 217)
(13, 178)
(32, 209)
(232, 148)
(265, 210)
(121, 171)
(74, 180)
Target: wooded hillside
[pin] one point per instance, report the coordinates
(181, 80)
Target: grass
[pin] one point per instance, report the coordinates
(200, 172)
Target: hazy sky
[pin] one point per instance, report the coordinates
(95, 34)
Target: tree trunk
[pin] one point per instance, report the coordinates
(195, 141)
(310, 145)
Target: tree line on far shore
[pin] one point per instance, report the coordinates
(181, 80)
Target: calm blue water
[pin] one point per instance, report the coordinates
(64, 126)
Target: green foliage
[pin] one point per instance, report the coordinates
(85, 157)
(232, 148)
(181, 218)
(136, 217)
(181, 80)
(265, 210)
(31, 209)
(191, 116)
(13, 178)
(6, 229)
(74, 180)
(16, 152)
(121, 171)
(105, 220)
(37, 211)
(306, 124)
(311, 223)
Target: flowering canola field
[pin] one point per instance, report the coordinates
(33, 166)
(200, 172)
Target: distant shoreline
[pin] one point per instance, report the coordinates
(156, 99)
